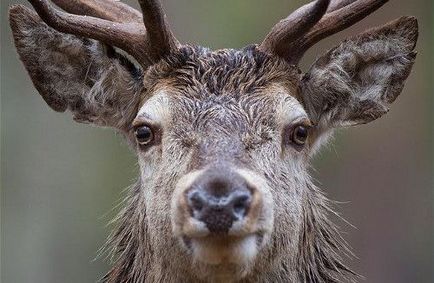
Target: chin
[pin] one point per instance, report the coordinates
(226, 258)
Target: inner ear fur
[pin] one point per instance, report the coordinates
(356, 81)
(91, 80)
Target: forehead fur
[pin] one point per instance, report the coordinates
(199, 71)
(223, 93)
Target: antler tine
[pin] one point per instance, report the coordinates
(293, 27)
(111, 10)
(160, 37)
(339, 15)
(336, 21)
(146, 45)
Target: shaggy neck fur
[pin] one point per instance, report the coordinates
(319, 255)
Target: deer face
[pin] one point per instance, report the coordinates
(223, 138)
(227, 142)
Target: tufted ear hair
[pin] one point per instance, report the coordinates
(355, 82)
(93, 81)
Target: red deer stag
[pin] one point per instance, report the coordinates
(224, 137)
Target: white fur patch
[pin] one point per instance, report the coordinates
(240, 251)
(155, 108)
(290, 111)
(265, 220)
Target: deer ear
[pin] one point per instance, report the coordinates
(355, 82)
(91, 80)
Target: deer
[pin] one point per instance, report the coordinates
(224, 138)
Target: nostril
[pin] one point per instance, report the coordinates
(241, 204)
(196, 201)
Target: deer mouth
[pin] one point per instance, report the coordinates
(237, 245)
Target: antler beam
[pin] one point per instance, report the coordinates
(338, 20)
(337, 4)
(111, 10)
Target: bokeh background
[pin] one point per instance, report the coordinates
(60, 180)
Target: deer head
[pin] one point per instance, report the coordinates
(224, 137)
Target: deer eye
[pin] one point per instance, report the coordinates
(144, 135)
(300, 134)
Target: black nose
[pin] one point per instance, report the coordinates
(218, 200)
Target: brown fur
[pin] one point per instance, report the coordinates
(224, 107)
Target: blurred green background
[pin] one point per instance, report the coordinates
(60, 180)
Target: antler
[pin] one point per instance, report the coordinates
(159, 34)
(111, 10)
(293, 27)
(290, 40)
(115, 24)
